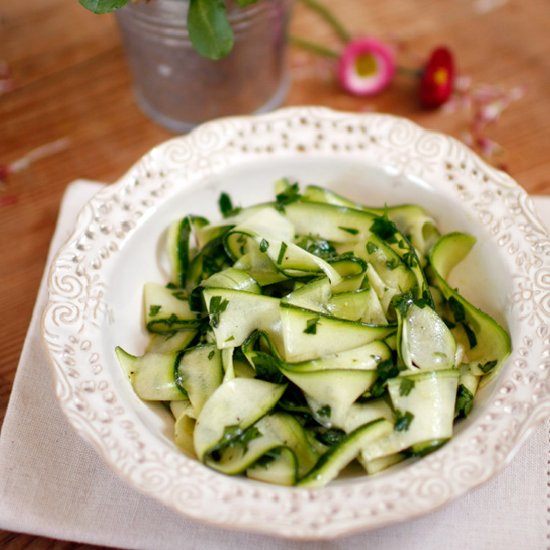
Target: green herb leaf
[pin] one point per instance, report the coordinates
(264, 245)
(268, 457)
(180, 295)
(402, 421)
(385, 370)
(350, 230)
(371, 247)
(488, 367)
(464, 401)
(406, 386)
(450, 324)
(426, 300)
(234, 436)
(325, 410)
(103, 6)
(226, 206)
(289, 195)
(211, 354)
(311, 326)
(384, 228)
(318, 247)
(470, 334)
(403, 302)
(409, 259)
(331, 437)
(153, 310)
(267, 367)
(209, 29)
(282, 251)
(457, 309)
(392, 264)
(217, 307)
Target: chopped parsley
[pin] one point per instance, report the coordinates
(488, 367)
(153, 310)
(350, 230)
(409, 259)
(464, 401)
(211, 354)
(371, 247)
(457, 309)
(289, 195)
(392, 264)
(268, 457)
(264, 245)
(384, 228)
(234, 436)
(318, 247)
(470, 334)
(402, 302)
(282, 252)
(267, 367)
(311, 326)
(385, 370)
(331, 437)
(405, 387)
(325, 410)
(402, 420)
(226, 206)
(217, 307)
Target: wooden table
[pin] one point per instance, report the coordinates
(70, 83)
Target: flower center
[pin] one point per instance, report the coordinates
(441, 76)
(365, 64)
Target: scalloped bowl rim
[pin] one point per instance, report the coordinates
(96, 399)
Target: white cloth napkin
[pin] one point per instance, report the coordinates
(53, 484)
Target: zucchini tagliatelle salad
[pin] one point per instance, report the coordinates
(298, 335)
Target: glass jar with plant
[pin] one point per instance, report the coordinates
(194, 60)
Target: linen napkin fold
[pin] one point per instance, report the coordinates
(54, 484)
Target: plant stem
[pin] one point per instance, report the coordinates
(311, 47)
(406, 71)
(327, 15)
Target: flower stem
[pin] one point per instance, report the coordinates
(406, 71)
(311, 47)
(327, 15)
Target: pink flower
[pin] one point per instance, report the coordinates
(366, 67)
(436, 84)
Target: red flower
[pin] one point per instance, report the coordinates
(366, 67)
(436, 84)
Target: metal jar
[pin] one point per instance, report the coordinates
(180, 89)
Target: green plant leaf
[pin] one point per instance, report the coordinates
(209, 29)
(103, 6)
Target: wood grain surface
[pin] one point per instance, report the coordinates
(69, 82)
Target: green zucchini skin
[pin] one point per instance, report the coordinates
(338, 457)
(493, 342)
(298, 335)
(167, 309)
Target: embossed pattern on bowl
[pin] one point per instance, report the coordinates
(95, 303)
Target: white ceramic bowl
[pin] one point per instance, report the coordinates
(95, 304)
